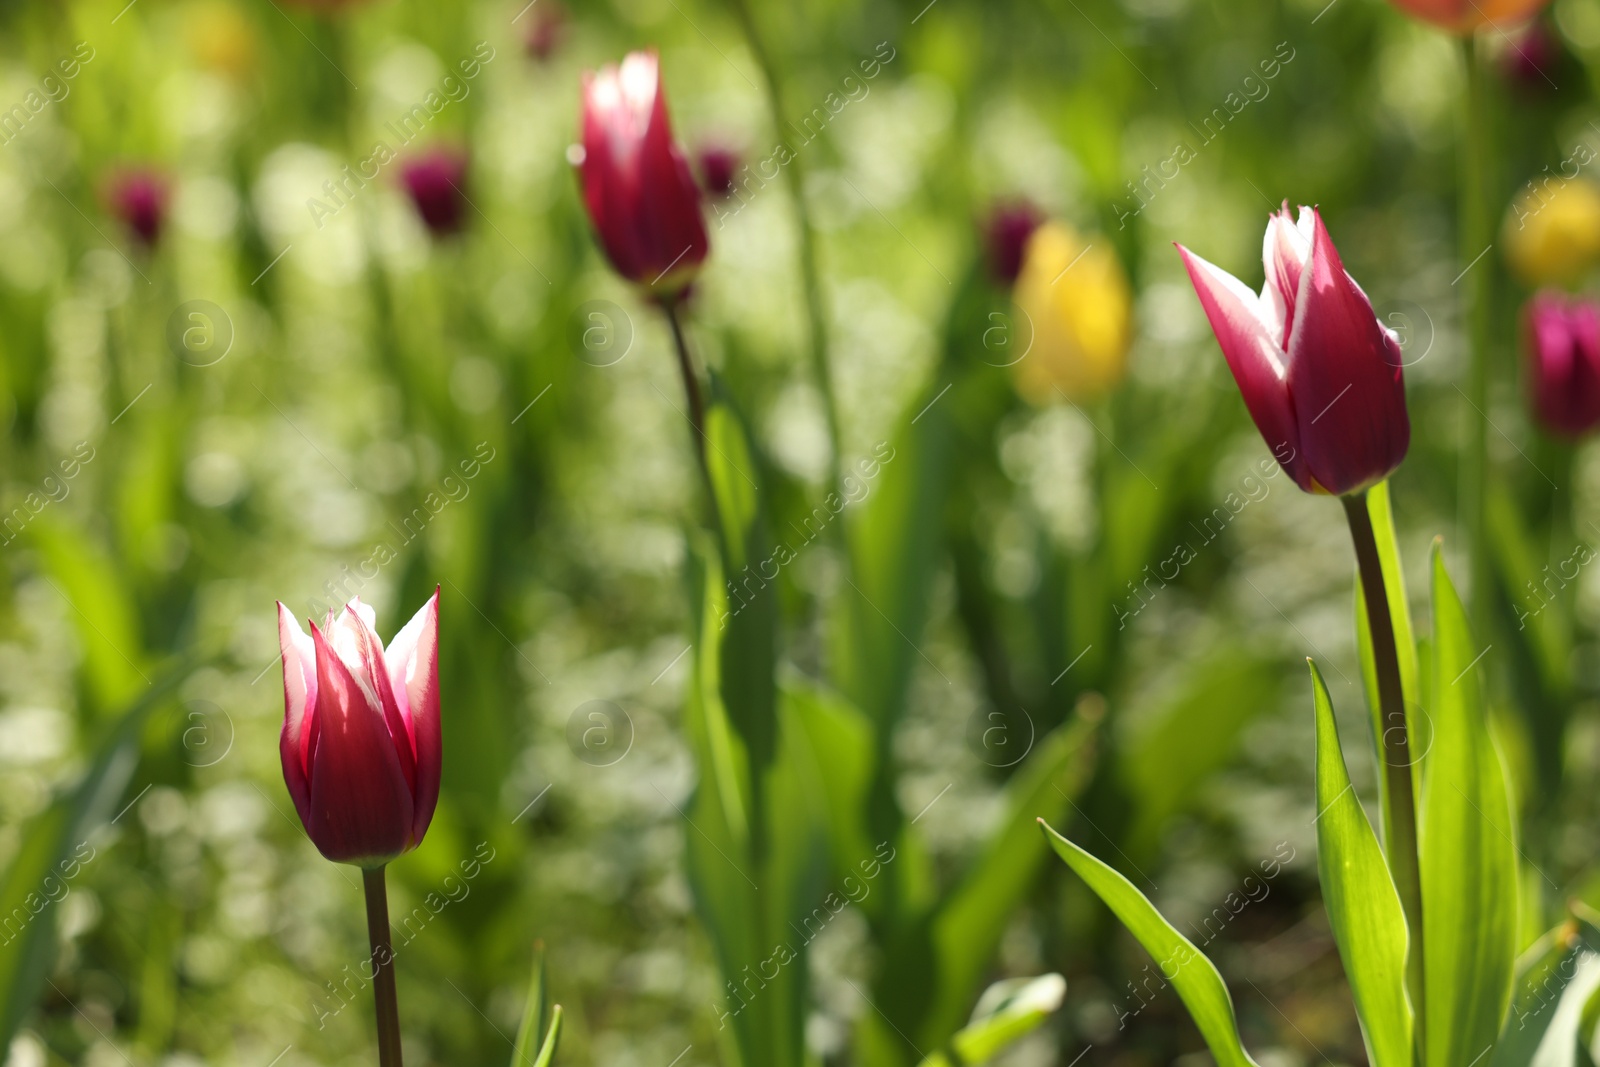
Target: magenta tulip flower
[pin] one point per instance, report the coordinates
(637, 184)
(719, 163)
(1005, 236)
(436, 182)
(1319, 373)
(360, 742)
(138, 196)
(1563, 361)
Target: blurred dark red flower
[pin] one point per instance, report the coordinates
(1006, 233)
(718, 163)
(139, 196)
(637, 186)
(1530, 57)
(435, 180)
(1562, 341)
(547, 29)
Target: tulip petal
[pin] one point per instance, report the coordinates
(413, 661)
(1253, 356)
(1344, 378)
(1563, 344)
(366, 663)
(299, 702)
(1285, 248)
(361, 810)
(637, 184)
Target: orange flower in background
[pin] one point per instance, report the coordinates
(1464, 16)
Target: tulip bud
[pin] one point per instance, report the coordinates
(1074, 305)
(1319, 373)
(360, 742)
(1563, 362)
(718, 163)
(636, 182)
(138, 196)
(1005, 237)
(547, 28)
(1552, 231)
(1465, 16)
(1530, 58)
(434, 180)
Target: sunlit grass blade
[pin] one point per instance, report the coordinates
(1195, 977)
(532, 1012)
(1557, 978)
(1363, 906)
(1468, 850)
(1007, 1012)
(52, 852)
(970, 921)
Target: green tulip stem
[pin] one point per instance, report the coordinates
(691, 382)
(1476, 225)
(1395, 743)
(383, 991)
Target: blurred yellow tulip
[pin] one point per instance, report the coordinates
(1552, 232)
(222, 38)
(1073, 301)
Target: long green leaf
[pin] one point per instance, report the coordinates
(1363, 906)
(532, 1012)
(54, 849)
(1542, 1029)
(1394, 586)
(1194, 976)
(972, 918)
(1468, 851)
(1008, 1011)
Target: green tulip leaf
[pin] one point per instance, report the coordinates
(1557, 978)
(52, 852)
(1468, 850)
(1195, 977)
(1363, 907)
(1008, 1011)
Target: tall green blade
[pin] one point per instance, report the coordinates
(1468, 850)
(1194, 976)
(53, 851)
(1363, 906)
(1542, 1029)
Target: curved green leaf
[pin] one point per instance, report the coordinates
(1008, 1011)
(1363, 906)
(1542, 1029)
(1193, 975)
(1468, 850)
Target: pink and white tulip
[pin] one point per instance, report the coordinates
(360, 743)
(637, 185)
(1319, 373)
